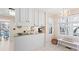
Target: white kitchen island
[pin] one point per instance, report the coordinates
(29, 42)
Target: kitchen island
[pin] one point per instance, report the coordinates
(29, 42)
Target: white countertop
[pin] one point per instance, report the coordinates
(29, 35)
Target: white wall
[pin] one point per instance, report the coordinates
(55, 20)
(4, 12)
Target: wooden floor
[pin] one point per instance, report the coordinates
(9, 46)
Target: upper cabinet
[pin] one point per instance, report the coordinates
(24, 16)
(41, 18)
(21, 17)
(36, 21)
(29, 17)
(17, 16)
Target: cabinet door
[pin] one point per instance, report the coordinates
(20, 43)
(31, 16)
(40, 18)
(24, 43)
(43, 19)
(40, 40)
(36, 17)
(17, 17)
(24, 16)
(29, 42)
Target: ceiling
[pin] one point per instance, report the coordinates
(62, 11)
(51, 11)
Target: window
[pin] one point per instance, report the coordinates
(63, 25)
(4, 30)
(69, 25)
(50, 25)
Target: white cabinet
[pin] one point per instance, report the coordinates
(20, 43)
(17, 17)
(21, 16)
(39, 40)
(29, 17)
(29, 42)
(36, 21)
(24, 16)
(24, 43)
(41, 19)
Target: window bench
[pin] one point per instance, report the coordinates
(71, 44)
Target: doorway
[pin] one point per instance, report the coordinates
(50, 29)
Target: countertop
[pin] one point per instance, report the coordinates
(28, 34)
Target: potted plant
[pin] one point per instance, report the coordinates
(54, 40)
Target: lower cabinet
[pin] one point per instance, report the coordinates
(29, 42)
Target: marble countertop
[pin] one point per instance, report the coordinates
(27, 34)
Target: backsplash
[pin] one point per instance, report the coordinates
(27, 30)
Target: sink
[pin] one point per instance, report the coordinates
(20, 34)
